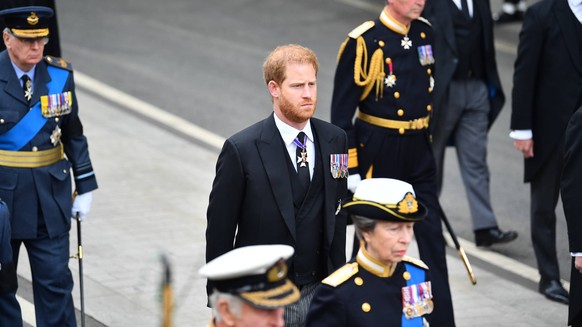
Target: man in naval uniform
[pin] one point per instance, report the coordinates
(251, 286)
(385, 70)
(381, 286)
(41, 142)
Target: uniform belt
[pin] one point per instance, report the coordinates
(31, 159)
(401, 125)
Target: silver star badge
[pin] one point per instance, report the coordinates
(303, 159)
(28, 91)
(56, 136)
(406, 43)
(390, 80)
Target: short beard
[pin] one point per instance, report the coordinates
(293, 113)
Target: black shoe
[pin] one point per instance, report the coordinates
(503, 17)
(488, 237)
(554, 291)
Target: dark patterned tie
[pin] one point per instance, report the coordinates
(302, 163)
(27, 87)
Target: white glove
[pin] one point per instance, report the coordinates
(82, 205)
(353, 182)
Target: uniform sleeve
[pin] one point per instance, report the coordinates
(345, 99)
(224, 203)
(529, 52)
(326, 309)
(76, 146)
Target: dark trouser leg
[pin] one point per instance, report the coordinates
(544, 198)
(9, 308)
(52, 281)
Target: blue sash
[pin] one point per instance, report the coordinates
(19, 135)
(416, 277)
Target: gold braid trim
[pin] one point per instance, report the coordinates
(375, 75)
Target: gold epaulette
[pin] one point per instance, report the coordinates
(416, 262)
(58, 62)
(424, 20)
(341, 275)
(356, 32)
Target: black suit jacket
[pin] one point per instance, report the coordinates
(571, 186)
(446, 55)
(252, 193)
(547, 80)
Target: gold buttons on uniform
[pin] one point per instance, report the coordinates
(388, 61)
(396, 95)
(34, 149)
(381, 43)
(422, 35)
(428, 108)
(406, 275)
(428, 71)
(400, 112)
(401, 131)
(359, 281)
(366, 307)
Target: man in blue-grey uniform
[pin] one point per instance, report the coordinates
(9, 308)
(41, 143)
(384, 78)
(381, 286)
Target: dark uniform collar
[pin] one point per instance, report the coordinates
(374, 265)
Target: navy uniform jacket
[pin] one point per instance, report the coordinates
(45, 191)
(359, 294)
(408, 99)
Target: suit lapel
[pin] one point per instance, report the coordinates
(480, 8)
(271, 151)
(12, 86)
(563, 12)
(444, 18)
(324, 140)
(41, 79)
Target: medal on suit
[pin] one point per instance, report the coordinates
(338, 163)
(302, 160)
(406, 42)
(390, 80)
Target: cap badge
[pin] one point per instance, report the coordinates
(277, 272)
(32, 19)
(408, 204)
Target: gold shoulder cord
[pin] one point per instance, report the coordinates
(375, 75)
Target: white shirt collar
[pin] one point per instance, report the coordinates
(289, 133)
(20, 72)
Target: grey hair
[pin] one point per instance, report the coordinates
(363, 224)
(234, 303)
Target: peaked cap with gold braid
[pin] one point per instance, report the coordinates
(256, 273)
(386, 199)
(27, 22)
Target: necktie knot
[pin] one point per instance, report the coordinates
(27, 87)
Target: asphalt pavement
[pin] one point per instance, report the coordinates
(155, 173)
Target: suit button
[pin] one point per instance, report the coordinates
(1, 121)
(34, 149)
